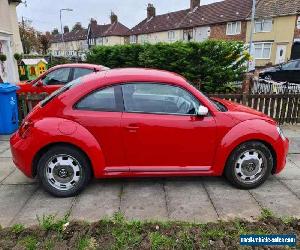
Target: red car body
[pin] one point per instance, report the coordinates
(37, 86)
(121, 144)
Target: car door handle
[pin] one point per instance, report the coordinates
(132, 127)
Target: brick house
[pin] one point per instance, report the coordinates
(114, 33)
(70, 44)
(275, 31)
(222, 20)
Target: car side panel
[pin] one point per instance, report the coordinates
(49, 131)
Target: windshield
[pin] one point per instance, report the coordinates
(58, 92)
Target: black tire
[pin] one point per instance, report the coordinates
(232, 165)
(81, 162)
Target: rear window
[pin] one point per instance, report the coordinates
(61, 90)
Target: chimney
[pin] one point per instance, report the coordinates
(113, 18)
(55, 32)
(93, 22)
(66, 29)
(151, 12)
(194, 4)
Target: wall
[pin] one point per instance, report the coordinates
(69, 49)
(160, 37)
(113, 40)
(10, 41)
(282, 34)
(218, 31)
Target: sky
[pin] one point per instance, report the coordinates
(44, 14)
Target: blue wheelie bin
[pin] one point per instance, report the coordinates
(8, 108)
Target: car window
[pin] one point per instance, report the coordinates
(158, 98)
(101, 100)
(290, 65)
(79, 72)
(57, 77)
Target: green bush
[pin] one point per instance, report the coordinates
(213, 64)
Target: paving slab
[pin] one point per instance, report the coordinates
(4, 145)
(295, 158)
(144, 200)
(188, 201)
(12, 200)
(294, 145)
(231, 202)
(5, 154)
(99, 200)
(17, 177)
(291, 130)
(278, 198)
(5, 137)
(290, 172)
(43, 204)
(6, 168)
(293, 185)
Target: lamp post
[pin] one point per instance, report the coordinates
(61, 25)
(252, 33)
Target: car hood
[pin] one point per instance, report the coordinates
(242, 113)
(271, 69)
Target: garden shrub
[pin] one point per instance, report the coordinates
(213, 64)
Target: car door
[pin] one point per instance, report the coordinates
(100, 113)
(54, 80)
(161, 131)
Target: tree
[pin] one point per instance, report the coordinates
(77, 26)
(44, 42)
(29, 37)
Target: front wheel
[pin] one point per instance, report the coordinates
(64, 171)
(249, 165)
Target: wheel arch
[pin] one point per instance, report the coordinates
(47, 147)
(267, 144)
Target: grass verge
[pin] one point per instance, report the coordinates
(117, 233)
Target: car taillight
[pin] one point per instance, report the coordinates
(24, 129)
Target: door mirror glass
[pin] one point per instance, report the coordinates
(202, 111)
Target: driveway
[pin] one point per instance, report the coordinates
(200, 199)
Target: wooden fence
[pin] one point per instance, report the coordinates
(284, 108)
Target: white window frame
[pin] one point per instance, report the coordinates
(171, 35)
(234, 28)
(263, 45)
(133, 39)
(262, 24)
(298, 23)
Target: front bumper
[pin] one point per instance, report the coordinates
(282, 149)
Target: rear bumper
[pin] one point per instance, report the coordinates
(282, 149)
(21, 154)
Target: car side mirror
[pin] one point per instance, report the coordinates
(202, 111)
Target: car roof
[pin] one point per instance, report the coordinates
(136, 75)
(80, 65)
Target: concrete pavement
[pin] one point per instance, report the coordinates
(199, 199)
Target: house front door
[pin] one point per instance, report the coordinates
(280, 54)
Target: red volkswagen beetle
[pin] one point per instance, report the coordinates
(56, 77)
(142, 123)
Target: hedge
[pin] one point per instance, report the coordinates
(208, 63)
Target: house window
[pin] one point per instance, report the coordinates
(171, 35)
(264, 25)
(133, 39)
(298, 23)
(144, 39)
(233, 28)
(262, 50)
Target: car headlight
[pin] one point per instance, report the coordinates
(280, 132)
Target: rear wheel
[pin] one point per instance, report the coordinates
(249, 165)
(64, 171)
